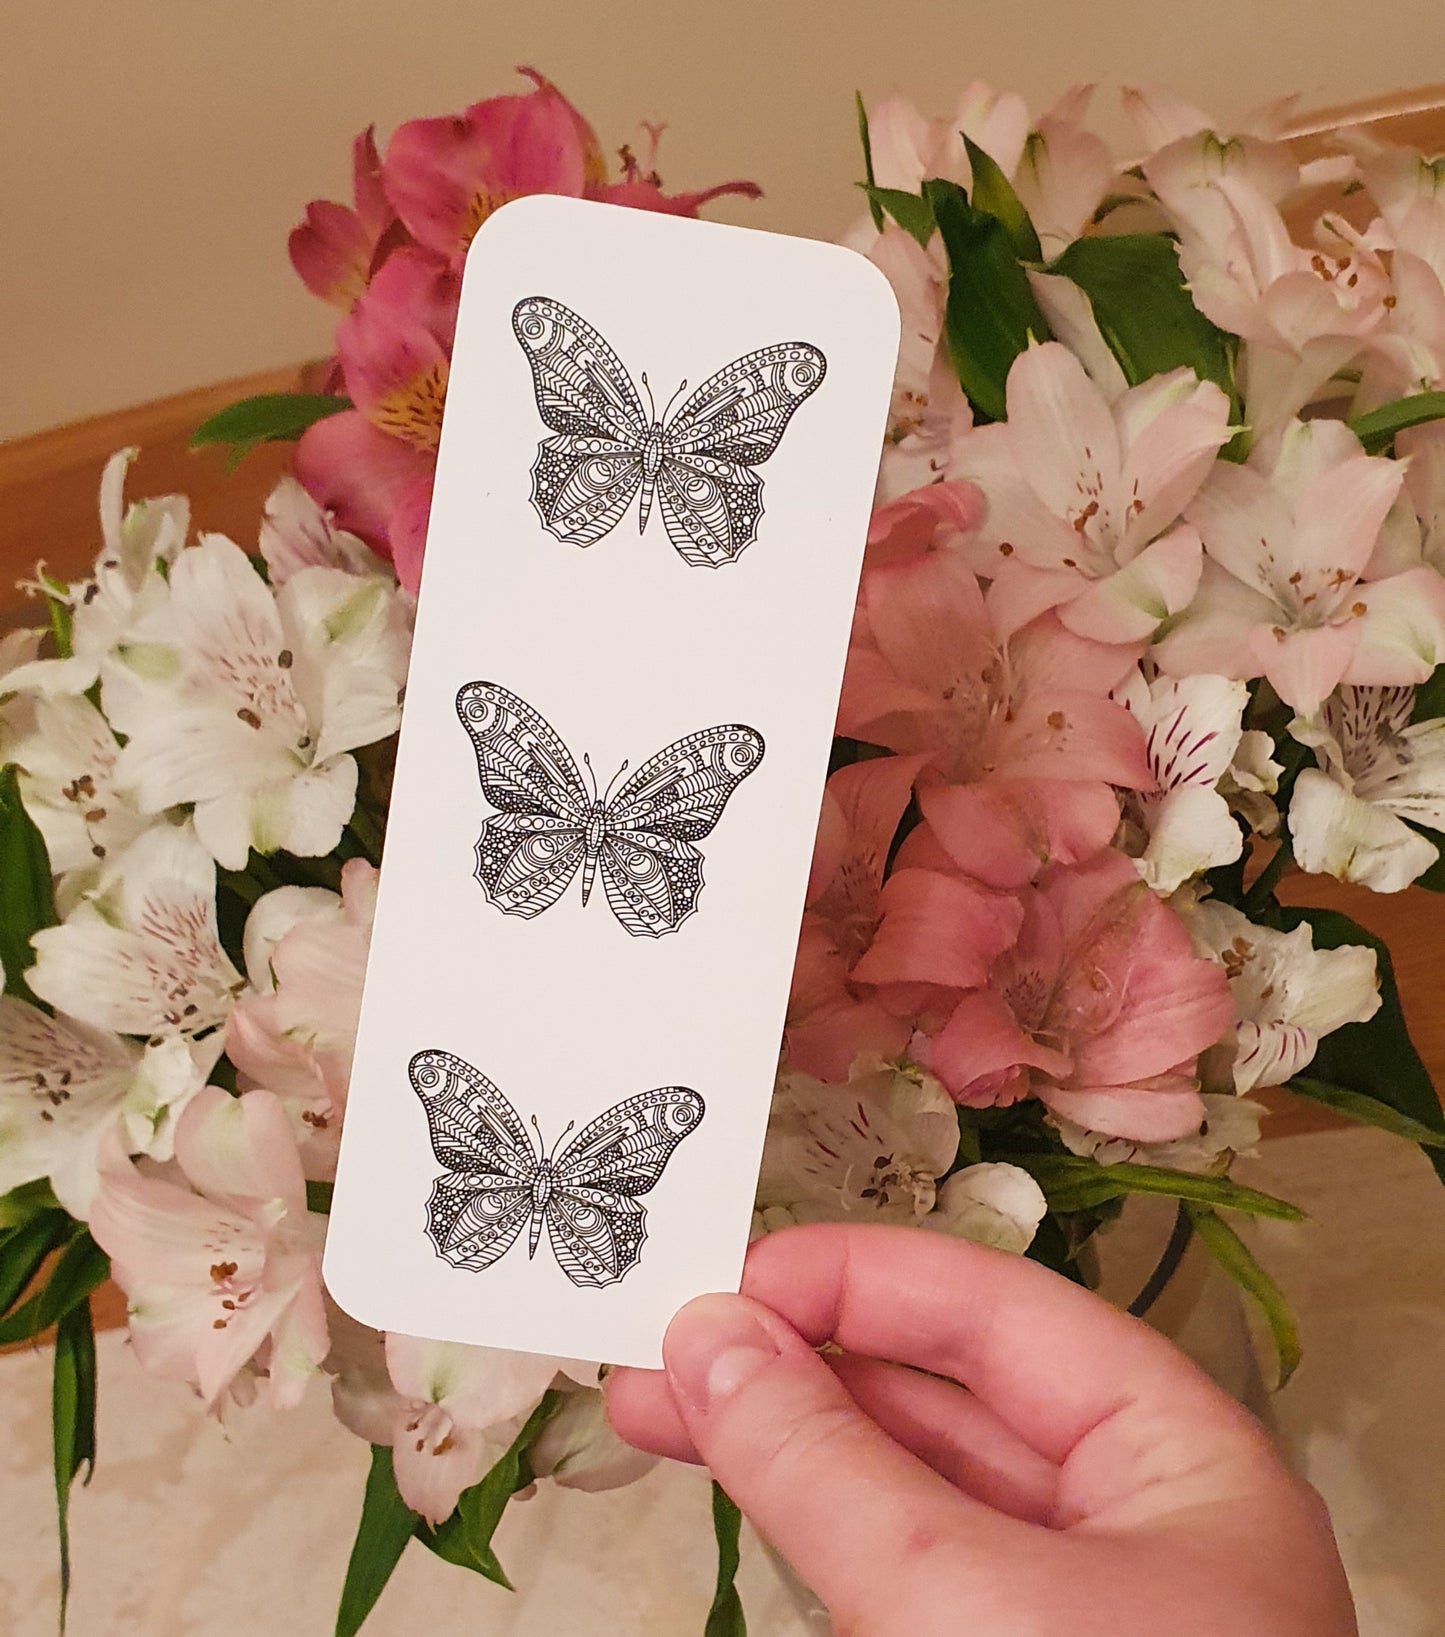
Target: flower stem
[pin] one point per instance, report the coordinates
(368, 836)
(1268, 878)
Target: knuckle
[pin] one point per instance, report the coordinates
(814, 1437)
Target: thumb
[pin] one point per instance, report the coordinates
(816, 1477)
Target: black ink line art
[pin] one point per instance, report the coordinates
(698, 462)
(588, 1195)
(549, 824)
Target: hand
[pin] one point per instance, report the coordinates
(1090, 1482)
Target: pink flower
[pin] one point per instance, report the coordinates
(830, 1019)
(641, 186)
(226, 1270)
(908, 148)
(936, 517)
(294, 1031)
(1289, 538)
(1099, 1009)
(1083, 496)
(930, 673)
(334, 248)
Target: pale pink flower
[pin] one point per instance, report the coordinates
(227, 1269)
(296, 534)
(578, 1449)
(929, 672)
(1289, 538)
(456, 1412)
(1099, 1009)
(294, 1030)
(909, 149)
(1083, 496)
(830, 1018)
(1063, 173)
(937, 517)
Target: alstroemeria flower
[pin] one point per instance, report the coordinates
(1288, 995)
(457, 1411)
(929, 415)
(140, 954)
(248, 702)
(66, 1090)
(67, 783)
(930, 673)
(937, 517)
(1288, 538)
(139, 541)
(579, 1450)
(831, 1019)
(1377, 769)
(1228, 1130)
(909, 149)
(1100, 1010)
(296, 533)
(1083, 497)
(1063, 173)
(228, 1269)
(333, 249)
(875, 1150)
(641, 186)
(294, 1031)
(1192, 729)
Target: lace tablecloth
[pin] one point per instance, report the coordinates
(190, 1530)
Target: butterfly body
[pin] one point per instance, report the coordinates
(698, 462)
(587, 1196)
(549, 825)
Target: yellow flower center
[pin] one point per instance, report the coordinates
(413, 412)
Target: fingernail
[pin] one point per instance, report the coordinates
(713, 1347)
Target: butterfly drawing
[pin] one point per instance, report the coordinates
(496, 1179)
(698, 462)
(549, 824)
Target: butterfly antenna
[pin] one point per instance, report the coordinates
(587, 763)
(615, 777)
(647, 388)
(681, 388)
(541, 1146)
(556, 1145)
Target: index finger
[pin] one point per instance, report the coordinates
(1052, 1360)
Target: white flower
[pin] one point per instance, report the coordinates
(1347, 817)
(247, 703)
(297, 534)
(1288, 994)
(1230, 1127)
(1251, 780)
(65, 1088)
(874, 1150)
(1191, 734)
(140, 954)
(579, 1450)
(992, 1204)
(125, 581)
(67, 783)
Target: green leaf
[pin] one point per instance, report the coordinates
(1377, 1058)
(465, 1537)
(1144, 310)
(1074, 1183)
(991, 314)
(72, 1420)
(318, 1197)
(272, 417)
(27, 901)
(81, 1268)
(1234, 1256)
(993, 192)
(57, 601)
(867, 141)
(26, 1202)
(24, 1248)
(725, 1617)
(1355, 1105)
(911, 211)
(381, 1536)
(1377, 429)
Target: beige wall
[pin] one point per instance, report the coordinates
(154, 153)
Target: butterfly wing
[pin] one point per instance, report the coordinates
(651, 869)
(585, 475)
(710, 497)
(594, 1219)
(530, 849)
(477, 1208)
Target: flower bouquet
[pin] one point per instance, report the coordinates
(1152, 612)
